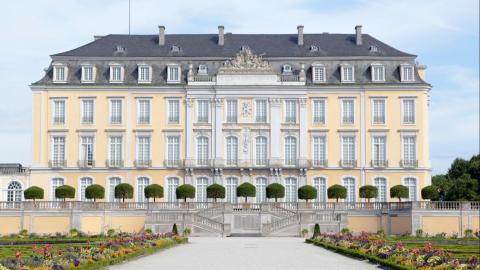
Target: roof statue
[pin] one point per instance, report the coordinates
(246, 62)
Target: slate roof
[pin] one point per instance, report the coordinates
(205, 45)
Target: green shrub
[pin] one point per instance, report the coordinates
(111, 232)
(73, 232)
(307, 192)
(399, 192)
(345, 230)
(337, 192)
(304, 232)
(381, 232)
(23, 232)
(430, 193)
(148, 231)
(186, 232)
(368, 192)
(419, 233)
(174, 229)
(316, 230)
(123, 191)
(153, 191)
(215, 191)
(468, 233)
(95, 192)
(275, 191)
(64, 192)
(246, 190)
(33, 193)
(185, 192)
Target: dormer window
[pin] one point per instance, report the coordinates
(347, 73)
(318, 73)
(314, 48)
(116, 74)
(88, 74)
(144, 74)
(175, 49)
(202, 70)
(60, 73)
(378, 72)
(287, 69)
(407, 73)
(373, 48)
(173, 73)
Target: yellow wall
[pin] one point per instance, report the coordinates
(9, 225)
(435, 225)
(51, 224)
(401, 225)
(128, 224)
(92, 225)
(364, 224)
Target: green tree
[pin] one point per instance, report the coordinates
(474, 167)
(153, 191)
(316, 231)
(246, 190)
(275, 191)
(337, 192)
(123, 191)
(215, 191)
(185, 192)
(430, 193)
(64, 192)
(368, 192)
(464, 189)
(95, 192)
(33, 193)
(458, 168)
(307, 192)
(399, 192)
(174, 229)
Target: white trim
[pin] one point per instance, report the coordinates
(417, 185)
(372, 110)
(377, 65)
(355, 188)
(387, 185)
(94, 73)
(342, 71)
(402, 76)
(122, 73)
(136, 190)
(324, 99)
(79, 187)
(82, 111)
(402, 100)
(139, 99)
(343, 99)
(109, 191)
(150, 75)
(57, 66)
(326, 185)
(171, 66)
(319, 66)
(165, 180)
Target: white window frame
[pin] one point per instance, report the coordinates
(173, 182)
(110, 158)
(342, 113)
(54, 112)
(385, 145)
(175, 149)
(258, 160)
(260, 189)
(111, 191)
(173, 117)
(110, 110)
(140, 193)
(85, 79)
(343, 74)
(231, 150)
(373, 100)
(201, 189)
(387, 191)
(53, 187)
(170, 78)
(381, 75)
(402, 73)
(231, 118)
(291, 190)
(316, 68)
(148, 77)
(411, 195)
(81, 190)
(287, 118)
(56, 77)
(52, 148)
(291, 161)
(325, 193)
(354, 147)
(319, 161)
(202, 69)
(137, 154)
(355, 184)
(402, 145)
(257, 116)
(149, 116)
(198, 160)
(122, 73)
(324, 120)
(82, 111)
(402, 106)
(84, 156)
(231, 184)
(200, 118)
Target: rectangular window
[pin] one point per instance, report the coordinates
(59, 112)
(174, 111)
(378, 73)
(319, 111)
(172, 184)
(378, 111)
(115, 111)
(348, 114)
(320, 183)
(87, 111)
(379, 151)
(290, 111)
(319, 151)
(347, 74)
(381, 184)
(231, 111)
(202, 151)
(318, 74)
(56, 182)
(112, 183)
(142, 183)
(144, 111)
(261, 111)
(409, 150)
(87, 74)
(143, 150)
(60, 74)
(291, 189)
(144, 74)
(260, 190)
(84, 183)
(408, 111)
(349, 184)
(348, 151)
(411, 184)
(115, 159)
(202, 111)
(290, 150)
(58, 150)
(261, 151)
(407, 74)
(116, 74)
(202, 183)
(173, 150)
(173, 74)
(231, 186)
(86, 151)
(232, 150)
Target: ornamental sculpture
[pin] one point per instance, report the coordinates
(246, 62)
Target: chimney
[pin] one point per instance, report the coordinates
(358, 31)
(161, 35)
(221, 37)
(300, 35)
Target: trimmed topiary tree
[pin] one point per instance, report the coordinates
(64, 192)
(307, 192)
(185, 192)
(153, 191)
(33, 193)
(368, 192)
(123, 191)
(95, 192)
(399, 192)
(246, 190)
(215, 191)
(174, 229)
(275, 191)
(430, 193)
(316, 231)
(337, 192)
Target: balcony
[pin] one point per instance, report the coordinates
(114, 163)
(289, 78)
(57, 164)
(142, 164)
(408, 163)
(348, 163)
(319, 163)
(84, 164)
(173, 163)
(198, 163)
(379, 163)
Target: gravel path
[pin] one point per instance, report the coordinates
(262, 253)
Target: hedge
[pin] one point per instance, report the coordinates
(123, 191)
(368, 192)
(275, 191)
(185, 192)
(337, 192)
(399, 192)
(153, 191)
(246, 190)
(215, 191)
(307, 192)
(95, 192)
(33, 193)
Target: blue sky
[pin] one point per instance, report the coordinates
(443, 33)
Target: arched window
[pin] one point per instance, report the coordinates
(260, 186)
(202, 183)
(290, 150)
(142, 183)
(232, 150)
(261, 150)
(56, 182)
(411, 184)
(320, 183)
(14, 192)
(112, 183)
(172, 184)
(231, 187)
(84, 183)
(202, 150)
(381, 184)
(291, 189)
(349, 184)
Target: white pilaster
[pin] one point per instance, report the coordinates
(217, 138)
(363, 138)
(189, 129)
(303, 132)
(128, 134)
(275, 132)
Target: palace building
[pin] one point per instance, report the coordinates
(296, 109)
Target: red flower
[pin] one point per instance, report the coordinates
(18, 254)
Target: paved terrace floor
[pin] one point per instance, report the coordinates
(259, 253)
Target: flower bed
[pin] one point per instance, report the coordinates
(395, 256)
(92, 255)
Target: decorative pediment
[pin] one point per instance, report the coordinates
(246, 62)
